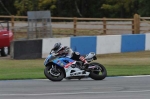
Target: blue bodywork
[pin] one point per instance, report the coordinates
(59, 61)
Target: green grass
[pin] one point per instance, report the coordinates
(126, 70)
(21, 69)
(137, 63)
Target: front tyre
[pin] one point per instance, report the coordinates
(4, 51)
(54, 73)
(98, 73)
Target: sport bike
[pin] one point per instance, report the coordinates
(59, 67)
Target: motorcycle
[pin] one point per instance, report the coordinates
(59, 67)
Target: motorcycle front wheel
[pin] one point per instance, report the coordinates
(98, 73)
(54, 73)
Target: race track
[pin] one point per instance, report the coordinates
(110, 88)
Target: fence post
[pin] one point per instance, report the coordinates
(104, 25)
(12, 21)
(133, 26)
(74, 25)
(136, 24)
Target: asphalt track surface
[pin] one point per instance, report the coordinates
(110, 88)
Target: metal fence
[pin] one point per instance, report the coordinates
(39, 24)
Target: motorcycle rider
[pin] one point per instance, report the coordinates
(68, 52)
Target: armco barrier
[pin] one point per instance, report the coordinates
(132, 43)
(108, 44)
(48, 44)
(84, 44)
(147, 42)
(26, 49)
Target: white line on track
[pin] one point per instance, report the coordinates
(136, 76)
(75, 93)
(113, 76)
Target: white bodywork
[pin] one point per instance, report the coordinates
(90, 55)
(77, 71)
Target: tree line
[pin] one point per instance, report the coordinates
(78, 8)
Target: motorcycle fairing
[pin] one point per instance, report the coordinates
(63, 62)
(47, 59)
(60, 61)
(66, 63)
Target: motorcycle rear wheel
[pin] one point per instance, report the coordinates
(98, 75)
(52, 77)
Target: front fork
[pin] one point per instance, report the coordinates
(54, 71)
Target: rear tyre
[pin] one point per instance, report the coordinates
(54, 75)
(4, 51)
(98, 73)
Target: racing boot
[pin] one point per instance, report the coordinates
(85, 68)
(85, 64)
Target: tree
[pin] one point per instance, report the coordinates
(121, 8)
(7, 7)
(47, 4)
(144, 7)
(79, 8)
(23, 6)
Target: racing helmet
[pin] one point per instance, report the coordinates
(57, 47)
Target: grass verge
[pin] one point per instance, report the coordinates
(123, 64)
